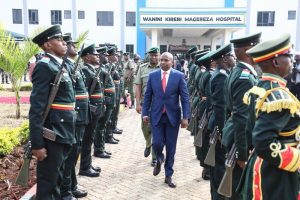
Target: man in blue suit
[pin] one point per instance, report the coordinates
(161, 104)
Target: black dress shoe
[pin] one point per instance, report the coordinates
(111, 141)
(168, 180)
(147, 151)
(153, 162)
(97, 169)
(108, 153)
(89, 173)
(79, 193)
(131, 107)
(101, 155)
(116, 139)
(157, 168)
(118, 131)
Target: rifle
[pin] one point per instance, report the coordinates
(202, 124)
(93, 86)
(210, 157)
(76, 65)
(225, 187)
(23, 175)
(192, 123)
(22, 178)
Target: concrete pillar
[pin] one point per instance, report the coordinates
(123, 24)
(74, 18)
(297, 46)
(227, 36)
(25, 17)
(248, 17)
(154, 38)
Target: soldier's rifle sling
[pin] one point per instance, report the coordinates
(95, 80)
(55, 85)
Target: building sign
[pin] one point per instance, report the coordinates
(192, 19)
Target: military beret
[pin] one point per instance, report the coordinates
(89, 50)
(153, 50)
(249, 40)
(221, 52)
(111, 51)
(271, 48)
(68, 38)
(192, 49)
(48, 34)
(102, 50)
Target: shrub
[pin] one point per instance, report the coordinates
(9, 138)
(26, 87)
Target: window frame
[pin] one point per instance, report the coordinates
(129, 14)
(270, 18)
(106, 22)
(36, 11)
(16, 16)
(56, 22)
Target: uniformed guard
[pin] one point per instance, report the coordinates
(242, 77)
(51, 148)
(225, 61)
(91, 62)
(129, 77)
(99, 142)
(112, 95)
(272, 171)
(203, 85)
(140, 89)
(69, 184)
(137, 63)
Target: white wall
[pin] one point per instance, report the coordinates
(185, 3)
(282, 24)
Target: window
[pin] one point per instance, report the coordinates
(163, 48)
(81, 14)
(130, 18)
(129, 48)
(33, 16)
(265, 18)
(67, 14)
(292, 15)
(17, 16)
(105, 18)
(55, 17)
(206, 47)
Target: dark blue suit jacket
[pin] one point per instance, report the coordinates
(155, 98)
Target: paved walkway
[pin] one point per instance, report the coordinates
(128, 175)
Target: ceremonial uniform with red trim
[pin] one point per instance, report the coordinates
(272, 172)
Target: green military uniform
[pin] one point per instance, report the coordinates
(61, 118)
(69, 182)
(241, 79)
(142, 79)
(96, 105)
(203, 86)
(217, 119)
(191, 67)
(129, 78)
(272, 171)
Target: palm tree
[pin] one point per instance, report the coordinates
(14, 58)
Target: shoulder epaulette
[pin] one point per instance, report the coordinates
(223, 71)
(143, 65)
(275, 99)
(245, 74)
(45, 59)
(260, 92)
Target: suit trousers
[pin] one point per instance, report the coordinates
(164, 134)
(49, 172)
